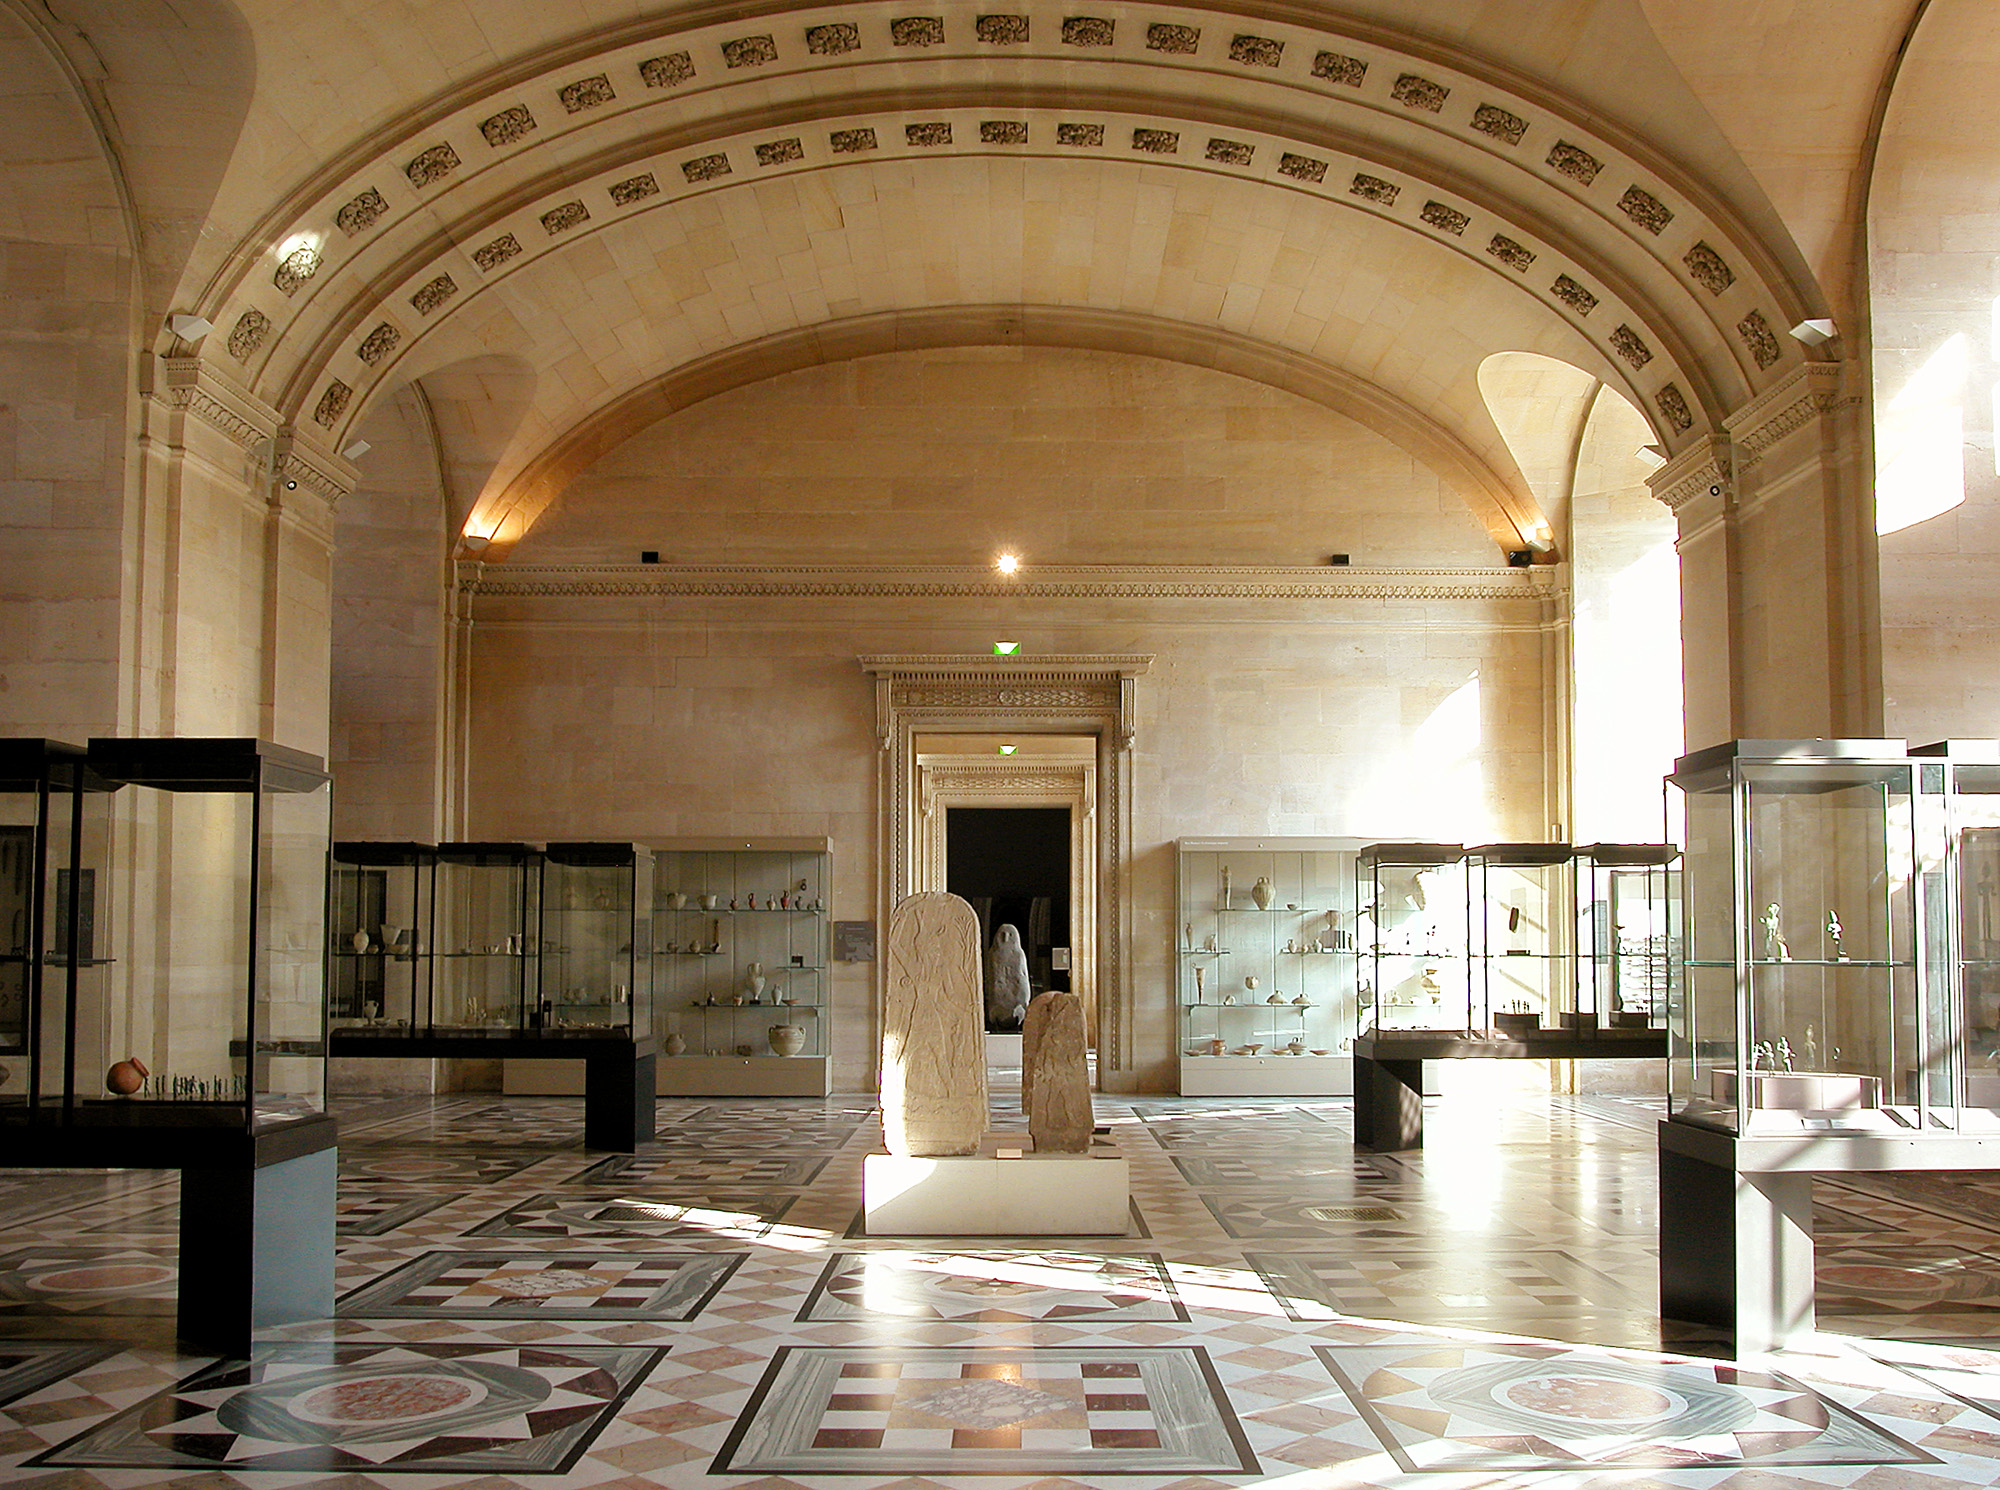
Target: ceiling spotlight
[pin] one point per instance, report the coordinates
(356, 450)
(189, 327)
(476, 543)
(1541, 538)
(1652, 457)
(1007, 563)
(1815, 333)
(1005, 649)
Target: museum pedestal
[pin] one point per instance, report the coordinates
(998, 1192)
(1736, 1243)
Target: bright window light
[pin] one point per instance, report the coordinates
(1920, 442)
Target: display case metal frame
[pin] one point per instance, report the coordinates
(257, 1179)
(1304, 1041)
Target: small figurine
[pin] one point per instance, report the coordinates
(1812, 1049)
(1225, 887)
(1785, 1053)
(1189, 929)
(1833, 935)
(1200, 983)
(1775, 949)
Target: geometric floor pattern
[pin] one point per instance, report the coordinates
(1290, 1314)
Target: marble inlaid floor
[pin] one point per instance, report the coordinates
(1285, 1314)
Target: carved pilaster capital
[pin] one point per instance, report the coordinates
(195, 389)
(1701, 471)
(1812, 392)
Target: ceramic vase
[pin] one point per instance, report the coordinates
(1261, 892)
(126, 1077)
(359, 941)
(787, 1039)
(754, 982)
(676, 1045)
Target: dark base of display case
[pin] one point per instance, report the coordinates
(1389, 1069)
(618, 1082)
(1736, 1241)
(256, 1219)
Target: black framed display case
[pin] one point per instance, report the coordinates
(1265, 965)
(596, 955)
(176, 1003)
(1628, 928)
(1522, 954)
(378, 935)
(485, 938)
(1413, 930)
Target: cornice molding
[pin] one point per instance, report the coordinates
(193, 387)
(1064, 582)
(1700, 471)
(1809, 393)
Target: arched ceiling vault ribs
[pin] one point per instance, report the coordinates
(1538, 155)
(1500, 501)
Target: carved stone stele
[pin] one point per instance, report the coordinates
(1007, 989)
(933, 1039)
(1055, 1074)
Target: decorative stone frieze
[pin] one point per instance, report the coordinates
(1759, 340)
(1709, 269)
(1177, 41)
(1302, 167)
(1375, 189)
(931, 132)
(1256, 51)
(490, 256)
(1673, 407)
(378, 344)
(1811, 392)
(1087, 135)
(189, 386)
(1088, 31)
(669, 71)
(587, 93)
(1574, 295)
(298, 266)
(362, 213)
(1334, 67)
(749, 51)
(1001, 31)
(1507, 251)
(507, 126)
(705, 168)
(836, 39)
(782, 152)
(1574, 162)
(1645, 209)
(432, 165)
(433, 294)
(248, 334)
(562, 219)
(851, 141)
(1445, 219)
(1230, 152)
(1629, 345)
(1157, 141)
(1003, 132)
(1491, 119)
(332, 404)
(1414, 92)
(917, 31)
(1699, 472)
(634, 189)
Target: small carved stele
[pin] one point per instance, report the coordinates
(1055, 1075)
(933, 1038)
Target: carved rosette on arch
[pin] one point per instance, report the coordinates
(933, 1040)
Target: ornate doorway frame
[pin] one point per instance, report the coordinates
(1059, 695)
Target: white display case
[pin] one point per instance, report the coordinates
(1265, 966)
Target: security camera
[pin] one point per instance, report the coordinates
(291, 486)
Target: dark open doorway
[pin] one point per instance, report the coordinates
(1013, 865)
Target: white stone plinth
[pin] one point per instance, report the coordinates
(985, 1195)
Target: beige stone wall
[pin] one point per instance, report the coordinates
(657, 715)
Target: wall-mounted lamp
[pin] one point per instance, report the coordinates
(1541, 538)
(1005, 649)
(1815, 333)
(189, 327)
(356, 450)
(475, 543)
(1652, 457)
(1009, 749)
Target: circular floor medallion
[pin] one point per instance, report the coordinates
(109, 1277)
(1592, 1399)
(375, 1400)
(542, 1285)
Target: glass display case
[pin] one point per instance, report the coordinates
(1961, 924)
(742, 952)
(378, 933)
(1817, 963)
(1628, 919)
(1413, 930)
(1521, 952)
(596, 957)
(1265, 959)
(54, 818)
(486, 938)
(211, 1011)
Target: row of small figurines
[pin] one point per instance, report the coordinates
(791, 898)
(1251, 983)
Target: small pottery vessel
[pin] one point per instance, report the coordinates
(1297, 1047)
(390, 936)
(1251, 982)
(1215, 1047)
(1302, 1002)
(1261, 892)
(126, 1077)
(1276, 998)
(787, 1039)
(746, 1050)
(754, 981)
(359, 941)
(676, 900)
(710, 902)
(676, 1045)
